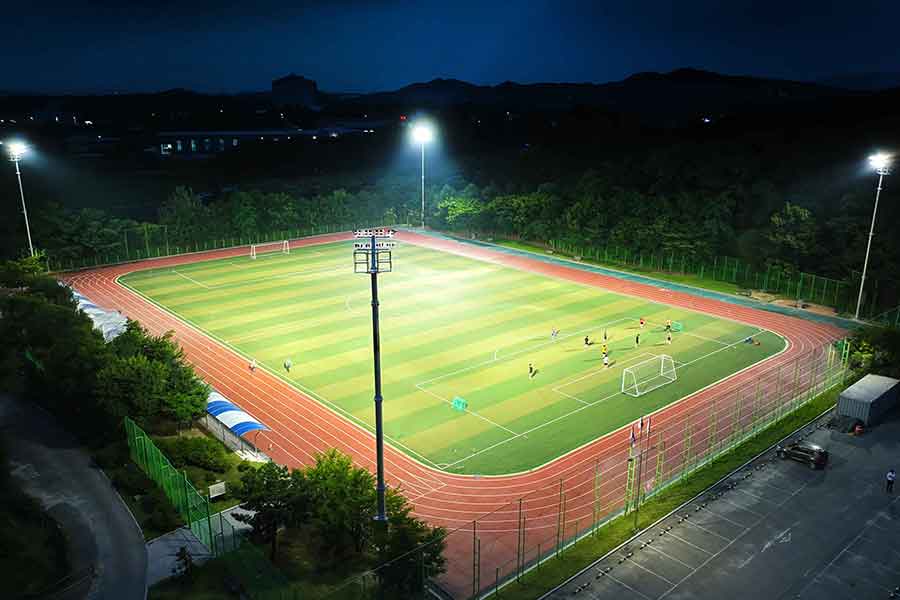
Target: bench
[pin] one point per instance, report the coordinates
(748, 293)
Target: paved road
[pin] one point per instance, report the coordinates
(774, 530)
(57, 472)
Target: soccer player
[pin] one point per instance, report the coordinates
(668, 337)
(637, 340)
(288, 364)
(604, 335)
(554, 333)
(642, 322)
(604, 349)
(531, 371)
(668, 324)
(606, 361)
(587, 341)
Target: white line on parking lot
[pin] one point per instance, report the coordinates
(701, 527)
(706, 552)
(728, 545)
(739, 507)
(842, 552)
(669, 556)
(754, 496)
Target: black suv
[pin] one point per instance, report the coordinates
(806, 452)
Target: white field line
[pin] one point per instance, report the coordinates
(586, 406)
(308, 391)
(515, 353)
(191, 279)
(471, 412)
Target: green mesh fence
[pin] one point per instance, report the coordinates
(771, 279)
(156, 241)
(214, 531)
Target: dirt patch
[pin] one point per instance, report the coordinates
(808, 306)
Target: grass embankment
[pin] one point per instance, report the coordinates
(571, 561)
(692, 280)
(33, 549)
(152, 510)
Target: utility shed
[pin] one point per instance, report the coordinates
(869, 398)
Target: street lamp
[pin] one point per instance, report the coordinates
(881, 163)
(16, 150)
(422, 133)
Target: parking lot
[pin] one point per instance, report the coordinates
(775, 529)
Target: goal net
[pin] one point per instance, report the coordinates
(647, 375)
(270, 247)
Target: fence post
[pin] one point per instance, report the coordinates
(519, 543)
(559, 516)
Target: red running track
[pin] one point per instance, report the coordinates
(301, 426)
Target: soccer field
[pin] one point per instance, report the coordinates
(452, 327)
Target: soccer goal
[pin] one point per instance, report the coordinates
(647, 375)
(269, 247)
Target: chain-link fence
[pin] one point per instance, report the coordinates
(153, 241)
(214, 531)
(772, 279)
(502, 545)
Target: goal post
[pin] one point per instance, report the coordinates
(282, 247)
(648, 375)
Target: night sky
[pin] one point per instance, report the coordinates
(347, 45)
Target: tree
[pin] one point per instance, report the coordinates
(791, 233)
(267, 492)
(185, 216)
(412, 552)
(342, 503)
(462, 212)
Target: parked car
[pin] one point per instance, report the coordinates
(815, 456)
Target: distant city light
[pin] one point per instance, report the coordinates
(334, 134)
(707, 120)
(88, 122)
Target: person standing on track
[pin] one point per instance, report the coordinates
(253, 365)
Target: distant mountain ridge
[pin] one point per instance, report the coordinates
(677, 94)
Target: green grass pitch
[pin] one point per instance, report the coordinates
(451, 327)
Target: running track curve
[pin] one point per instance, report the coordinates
(301, 426)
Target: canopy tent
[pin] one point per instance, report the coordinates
(231, 416)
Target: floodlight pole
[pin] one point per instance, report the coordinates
(15, 159)
(862, 281)
(423, 184)
(381, 515)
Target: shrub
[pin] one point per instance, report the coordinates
(200, 452)
(131, 480)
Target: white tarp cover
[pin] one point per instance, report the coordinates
(110, 323)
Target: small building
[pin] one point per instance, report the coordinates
(869, 399)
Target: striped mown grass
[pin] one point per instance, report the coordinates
(452, 327)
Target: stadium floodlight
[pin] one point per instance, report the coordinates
(881, 163)
(372, 255)
(423, 133)
(16, 150)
